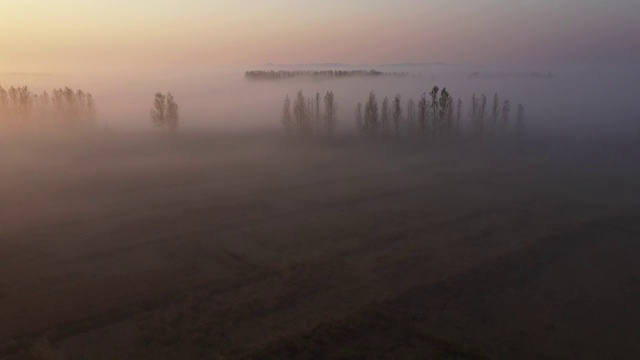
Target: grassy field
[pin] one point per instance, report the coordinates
(254, 246)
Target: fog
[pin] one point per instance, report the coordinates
(596, 98)
(229, 239)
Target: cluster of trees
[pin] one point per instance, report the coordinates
(284, 74)
(19, 106)
(437, 115)
(310, 115)
(165, 112)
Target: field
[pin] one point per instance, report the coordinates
(255, 246)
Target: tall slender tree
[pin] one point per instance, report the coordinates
(173, 114)
(422, 114)
(371, 115)
(317, 116)
(435, 120)
(330, 112)
(495, 113)
(158, 112)
(397, 113)
(411, 115)
(504, 118)
(287, 122)
(385, 117)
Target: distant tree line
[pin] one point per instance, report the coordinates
(435, 115)
(285, 74)
(438, 116)
(20, 107)
(310, 116)
(165, 112)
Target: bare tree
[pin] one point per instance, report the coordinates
(371, 124)
(317, 114)
(422, 114)
(158, 112)
(300, 112)
(411, 115)
(173, 113)
(482, 113)
(385, 116)
(495, 113)
(445, 106)
(504, 118)
(287, 123)
(397, 113)
(4, 105)
(435, 121)
(90, 107)
(330, 112)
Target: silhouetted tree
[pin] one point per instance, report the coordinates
(317, 113)
(90, 107)
(158, 112)
(330, 112)
(504, 118)
(445, 106)
(371, 124)
(435, 120)
(385, 116)
(397, 113)
(423, 107)
(287, 122)
(411, 115)
(300, 112)
(495, 113)
(482, 112)
(173, 114)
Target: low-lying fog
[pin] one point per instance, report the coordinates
(222, 99)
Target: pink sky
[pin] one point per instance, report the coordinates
(80, 35)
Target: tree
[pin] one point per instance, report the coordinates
(397, 113)
(317, 114)
(411, 115)
(422, 114)
(173, 114)
(504, 118)
(359, 120)
(371, 124)
(330, 112)
(482, 112)
(158, 112)
(90, 107)
(385, 116)
(286, 115)
(435, 121)
(300, 112)
(445, 106)
(495, 113)
(4, 105)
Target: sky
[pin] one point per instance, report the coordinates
(102, 35)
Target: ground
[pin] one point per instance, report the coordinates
(256, 246)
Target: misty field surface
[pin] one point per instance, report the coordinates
(204, 246)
